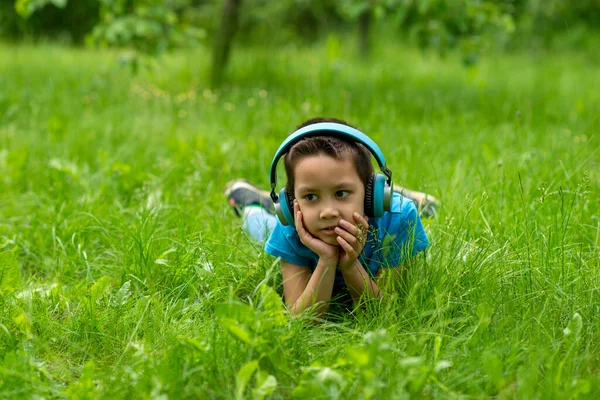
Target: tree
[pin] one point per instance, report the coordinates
(223, 39)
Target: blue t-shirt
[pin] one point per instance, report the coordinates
(392, 239)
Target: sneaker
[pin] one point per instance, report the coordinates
(426, 204)
(240, 193)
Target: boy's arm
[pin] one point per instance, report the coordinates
(359, 282)
(302, 289)
(352, 239)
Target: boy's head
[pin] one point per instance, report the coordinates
(328, 177)
(331, 146)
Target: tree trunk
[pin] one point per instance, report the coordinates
(364, 32)
(224, 39)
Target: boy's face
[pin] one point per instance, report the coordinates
(327, 190)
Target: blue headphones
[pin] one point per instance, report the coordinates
(378, 190)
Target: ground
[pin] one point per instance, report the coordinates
(138, 282)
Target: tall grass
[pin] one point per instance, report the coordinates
(138, 282)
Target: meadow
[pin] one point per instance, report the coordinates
(125, 274)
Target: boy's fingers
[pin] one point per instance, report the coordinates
(298, 215)
(350, 227)
(361, 234)
(298, 219)
(362, 226)
(351, 251)
(347, 236)
(358, 231)
(305, 236)
(300, 226)
(361, 220)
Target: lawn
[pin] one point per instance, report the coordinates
(125, 274)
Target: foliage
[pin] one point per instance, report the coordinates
(548, 23)
(10, 275)
(153, 26)
(64, 20)
(447, 24)
(27, 7)
(149, 26)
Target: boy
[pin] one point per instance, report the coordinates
(331, 249)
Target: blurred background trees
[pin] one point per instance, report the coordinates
(155, 26)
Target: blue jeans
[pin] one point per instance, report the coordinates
(259, 224)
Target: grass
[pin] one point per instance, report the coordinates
(137, 281)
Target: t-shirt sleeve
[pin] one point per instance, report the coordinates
(403, 234)
(281, 244)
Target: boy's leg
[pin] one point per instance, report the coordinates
(427, 205)
(258, 222)
(254, 206)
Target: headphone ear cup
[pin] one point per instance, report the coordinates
(284, 208)
(377, 195)
(369, 197)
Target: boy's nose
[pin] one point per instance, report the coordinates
(329, 212)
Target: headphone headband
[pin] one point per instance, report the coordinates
(327, 129)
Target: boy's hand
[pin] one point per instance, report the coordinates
(352, 239)
(323, 250)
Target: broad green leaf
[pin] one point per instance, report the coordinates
(331, 379)
(10, 274)
(358, 356)
(121, 296)
(100, 288)
(377, 341)
(573, 331)
(22, 321)
(198, 345)
(272, 304)
(43, 290)
(243, 377)
(442, 365)
(236, 330)
(320, 382)
(265, 385)
(84, 387)
(409, 362)
(437, 345)
(236, 311)
(492, 365)
(527, 380)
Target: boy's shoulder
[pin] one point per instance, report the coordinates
(402, 208)
(284, 242)
(402, 226)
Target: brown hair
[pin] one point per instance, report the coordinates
(332, 146)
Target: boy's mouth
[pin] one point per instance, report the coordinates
(330, 230)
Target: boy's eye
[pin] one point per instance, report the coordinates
(310, 197)
(342, 193)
